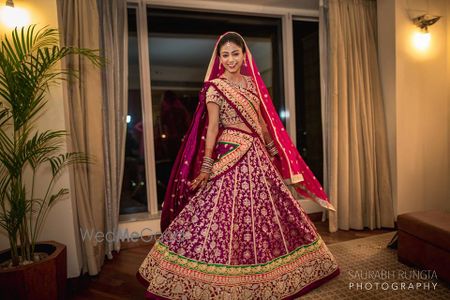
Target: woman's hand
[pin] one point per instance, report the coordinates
(274, 158)
(200, 180)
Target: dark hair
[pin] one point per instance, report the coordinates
(232, 38)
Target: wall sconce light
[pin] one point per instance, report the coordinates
(12, 16)
(424, 21)
(422, 39)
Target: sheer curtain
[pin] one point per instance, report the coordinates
(357, 176)
(113, 33)
(78, 21)
(97, 104)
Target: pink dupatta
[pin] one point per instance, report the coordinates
(187, 165)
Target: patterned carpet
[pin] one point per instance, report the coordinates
(369, 270)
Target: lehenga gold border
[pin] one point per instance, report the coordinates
(162, 253)
(175, 277)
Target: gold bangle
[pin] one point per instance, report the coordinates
(207, 164)
(270, 144)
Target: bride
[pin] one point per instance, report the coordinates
(231, 227)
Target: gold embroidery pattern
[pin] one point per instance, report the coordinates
(250, 85)
(227, 114)
(232, 215)
(242, 142)
(249, 91)
(174, 269)
(173, 276)
(245, 104)
(186, 233)
(213, 96)
(252, 96)
(163, 253)
(216, 201)
(252, 204)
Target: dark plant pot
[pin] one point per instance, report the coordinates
(45, 279)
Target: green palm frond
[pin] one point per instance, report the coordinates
(58, 162)
(5, 116)
(30, 63)
(38, 147)
(62, 192)
(7, 157)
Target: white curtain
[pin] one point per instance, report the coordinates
(97, 108)
(79, 26)
(113, 33)
(356, 172)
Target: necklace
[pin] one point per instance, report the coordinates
(241, 83)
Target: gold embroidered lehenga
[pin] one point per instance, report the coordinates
(243, 236)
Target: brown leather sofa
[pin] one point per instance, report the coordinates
(424, 241)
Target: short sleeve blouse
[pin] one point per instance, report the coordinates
(227, 114)
(213, 96)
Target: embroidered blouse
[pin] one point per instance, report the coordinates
(227, 115)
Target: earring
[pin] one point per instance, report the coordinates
(245, 63)
(220, 65)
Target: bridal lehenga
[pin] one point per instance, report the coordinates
(243, 235)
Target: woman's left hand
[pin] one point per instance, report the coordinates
(200, 180)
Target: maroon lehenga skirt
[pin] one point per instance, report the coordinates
(242, 236)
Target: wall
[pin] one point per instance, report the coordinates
(448, 95)
(60, 223)
(416, 93)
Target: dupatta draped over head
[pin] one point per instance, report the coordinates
(190, 156)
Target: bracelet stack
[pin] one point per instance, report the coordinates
(207, 164)
(271, 148)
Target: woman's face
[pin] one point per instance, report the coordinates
(231, 57)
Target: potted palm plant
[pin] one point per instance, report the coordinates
(29, 63)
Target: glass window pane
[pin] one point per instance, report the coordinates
(134, 192)
(307, 95)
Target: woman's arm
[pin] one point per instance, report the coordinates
(211, 136)
(213, 128)
(270, 145)
(265, 132)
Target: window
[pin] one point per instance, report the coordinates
(134, 191)
(307, 95)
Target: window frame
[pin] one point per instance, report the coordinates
(287, 15)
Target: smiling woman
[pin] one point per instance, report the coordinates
(232, 54)
(244, 236)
